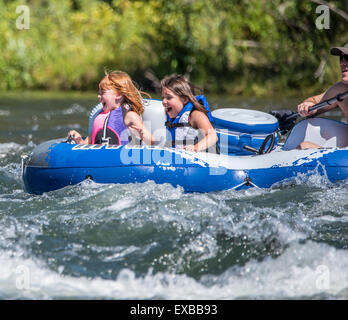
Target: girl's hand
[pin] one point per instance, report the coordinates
(140, 131)
(75, 136)
(190, 147)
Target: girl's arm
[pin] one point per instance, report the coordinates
(134, 123)
(199, 120)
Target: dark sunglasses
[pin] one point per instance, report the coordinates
(344, 57)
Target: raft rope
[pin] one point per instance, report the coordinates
(247, 182)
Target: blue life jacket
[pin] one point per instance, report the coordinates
(173, 123)
(202, 100)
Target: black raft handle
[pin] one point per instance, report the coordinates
(263, 145)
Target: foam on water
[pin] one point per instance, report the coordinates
(149, 241)
(74, 109)
(304, 270)
(10, 146)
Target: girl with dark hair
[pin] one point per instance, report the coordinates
(188, 121)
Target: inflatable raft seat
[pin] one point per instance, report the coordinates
(321, 131)
(154, 118)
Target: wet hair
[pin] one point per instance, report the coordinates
(183, 88)
(121, 82)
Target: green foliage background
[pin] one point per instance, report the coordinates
(240, 46)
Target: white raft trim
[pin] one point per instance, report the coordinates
(275, 159)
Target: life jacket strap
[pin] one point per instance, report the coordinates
(105, 141)
(104, 138)
(170, 124)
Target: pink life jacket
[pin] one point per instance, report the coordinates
(109, 127)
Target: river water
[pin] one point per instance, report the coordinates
(148, 241)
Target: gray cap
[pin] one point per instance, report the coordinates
(339, 50)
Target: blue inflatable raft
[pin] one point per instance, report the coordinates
(242, 133)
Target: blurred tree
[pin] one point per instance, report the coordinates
(240, 46)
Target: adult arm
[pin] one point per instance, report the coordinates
(303, 108)
(330, 93)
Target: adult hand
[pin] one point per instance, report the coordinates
(303, 109)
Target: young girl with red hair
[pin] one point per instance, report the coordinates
(121, 115)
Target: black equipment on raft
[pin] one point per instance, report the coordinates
(263, 145)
